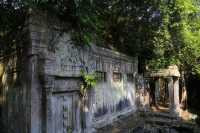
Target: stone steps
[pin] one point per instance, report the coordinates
(160, 119)
(158, 114)
(150, 122)
(167, 123)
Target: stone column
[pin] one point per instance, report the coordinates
(171, 93)
(176, 94)
(48, 85)
(157, 91)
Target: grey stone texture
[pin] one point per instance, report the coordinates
(41, 85)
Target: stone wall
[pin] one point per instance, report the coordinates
(59, 62)
(41, 85)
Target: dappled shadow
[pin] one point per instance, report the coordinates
(12, 107)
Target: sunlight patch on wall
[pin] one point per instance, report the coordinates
(1, 69)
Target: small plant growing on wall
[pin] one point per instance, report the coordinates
(89, 81)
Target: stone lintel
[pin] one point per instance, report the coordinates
(171, 71)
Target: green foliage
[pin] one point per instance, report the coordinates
(178, 39)
(69, 130)
(89, 81)
(11, 21)
(161, 33)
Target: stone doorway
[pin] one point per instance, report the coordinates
(163, 102)
(63, 113)
(164, 89)
(159, 95)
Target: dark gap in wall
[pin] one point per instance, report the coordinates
(101, 111)
(123, 104)
(63, 92)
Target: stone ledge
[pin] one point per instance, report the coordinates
(171, 71)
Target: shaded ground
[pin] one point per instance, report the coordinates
(148, 122)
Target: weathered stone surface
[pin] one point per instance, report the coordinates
(59, 65)
(43, 94)
(169, 72)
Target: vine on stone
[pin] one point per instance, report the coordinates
(89, 81)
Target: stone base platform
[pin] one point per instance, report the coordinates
(150, 122)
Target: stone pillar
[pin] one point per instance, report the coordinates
(48, 86)
(171, 93)
(176, 94)
(35, 94)
(157, 91)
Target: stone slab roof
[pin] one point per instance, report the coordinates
(171, 71)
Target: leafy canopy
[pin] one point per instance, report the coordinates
(161, 33)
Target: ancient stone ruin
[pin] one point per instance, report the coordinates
(40, 87)
(166, 82)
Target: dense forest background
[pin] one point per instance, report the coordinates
(159, 32)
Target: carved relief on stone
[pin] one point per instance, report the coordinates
(116, 66)
(68, 114)
(89, 61)
(67, 84)
(63, 113)
(99, 64)
(129, 67)
(49, 83)
(49, 111)
(69, 58)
